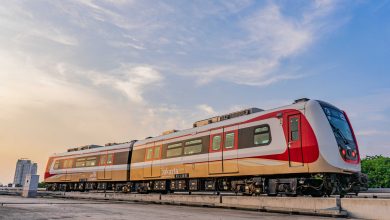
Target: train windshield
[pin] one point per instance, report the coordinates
(342, 132)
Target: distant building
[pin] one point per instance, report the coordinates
(24, 167)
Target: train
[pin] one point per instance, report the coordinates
(305, 148)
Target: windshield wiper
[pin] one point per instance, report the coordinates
(335, 129)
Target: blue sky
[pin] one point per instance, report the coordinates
(91, 72)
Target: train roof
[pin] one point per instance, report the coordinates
(298, 104)
(93, 150)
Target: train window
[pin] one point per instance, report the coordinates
(261, 129)
(294, 129)
(67, 163)
(174, 152)
(80, 162)
(56, 165)
(109, 159)
(197, 141)
(229, 140)
(174, 145)
(91, 161)
(149, 153)
(262, 135)
(194, 149)
(156, 152)
(103, 159)
(216, 145)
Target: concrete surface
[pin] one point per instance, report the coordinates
(42, 208)
(281, 202)
(367, 208)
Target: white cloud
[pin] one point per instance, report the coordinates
(207, 109)
(138, 79)
(131, 81)
(24, 25)
(272, 37)
(167, 34)
(279, 36)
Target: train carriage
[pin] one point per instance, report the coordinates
(89, 167)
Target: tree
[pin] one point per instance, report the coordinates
(378, 170)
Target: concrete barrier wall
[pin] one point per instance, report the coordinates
(82, 195)
(114, 196)
(192, 199)
(137, 197)
(367, 208)
(281, 202)
(355, 207)
(225, 201)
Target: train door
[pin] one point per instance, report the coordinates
(65, 171)
(148, 162)
(106, 162)
(295, 140)
(229, 150)
(63, 177)
(108, 168)
(102, 166)
(68, 165)
(215, 151)
(156, 163)
(65, 165)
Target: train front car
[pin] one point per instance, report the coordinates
(338, 166)
(306, 148)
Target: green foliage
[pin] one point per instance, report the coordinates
(378, 170)
(42, 185)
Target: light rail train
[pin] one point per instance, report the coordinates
(306, 148)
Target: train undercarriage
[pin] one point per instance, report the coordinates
(316, 185)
